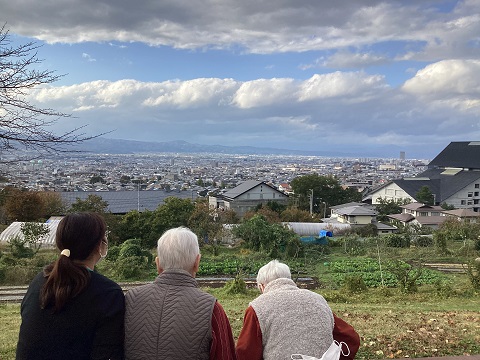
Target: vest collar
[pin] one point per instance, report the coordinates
(177, 277)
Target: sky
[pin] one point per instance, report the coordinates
(361, 77)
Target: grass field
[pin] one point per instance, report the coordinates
(442, 318)
(391, 324)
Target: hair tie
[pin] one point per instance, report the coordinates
(65, 252)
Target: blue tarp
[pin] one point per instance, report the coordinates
(324, 233)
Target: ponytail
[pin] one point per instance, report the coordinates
(65, 280)
(77, 236)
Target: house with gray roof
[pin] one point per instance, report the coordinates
(432, 216)
(453, 177)
(356, 215)
(247, 196)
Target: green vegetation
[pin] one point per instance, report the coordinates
(382, 285)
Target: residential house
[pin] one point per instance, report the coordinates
(466, 215)
(420, 214)
(453, 177)
(357, 215)
(286, 188)
(247, 196)
(432, 216)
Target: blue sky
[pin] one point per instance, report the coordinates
(362, 77)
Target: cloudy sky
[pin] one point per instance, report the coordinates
(363, 77)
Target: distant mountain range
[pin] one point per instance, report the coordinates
(119, 146)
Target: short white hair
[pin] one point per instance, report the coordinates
(272, 271)
(178, 248)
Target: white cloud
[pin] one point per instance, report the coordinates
(287, 27)
(347, 59)
(454, 83)
(88, 57)
(264, 92)
(338, 84)
(340, 109)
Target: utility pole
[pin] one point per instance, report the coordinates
(311, 202)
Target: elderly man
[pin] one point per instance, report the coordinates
(172, 318)
(286, 320)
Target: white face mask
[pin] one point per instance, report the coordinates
(103, 256)
(332, 353)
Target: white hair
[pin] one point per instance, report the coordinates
(178, 248)
(272, 271)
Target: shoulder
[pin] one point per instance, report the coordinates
(138, 292)
(103, 284)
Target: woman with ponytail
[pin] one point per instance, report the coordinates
(69, 311)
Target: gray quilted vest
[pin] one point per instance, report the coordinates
(168, 319)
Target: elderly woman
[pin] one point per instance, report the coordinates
(286, 320)
(70, 311)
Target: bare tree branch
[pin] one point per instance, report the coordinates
(24, 129)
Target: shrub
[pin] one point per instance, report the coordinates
(130, 250)
(423, 241)
(406, 275)
(354, 284)
(19, 249)
(335, 297)
(440, 240)
(443, 289)
(369, 230)
(473, 272)
(235, 286)
(397, 240)
(113, 253)
(353, 246)
(132, 267)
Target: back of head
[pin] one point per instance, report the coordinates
(80, 234)
(272, 271)
(178, 249)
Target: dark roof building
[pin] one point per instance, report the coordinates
(247, 196)
(121, 202)
(461, 154)
(453, 177)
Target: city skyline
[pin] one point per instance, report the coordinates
(370, 78)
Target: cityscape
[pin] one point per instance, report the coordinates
(196, 172)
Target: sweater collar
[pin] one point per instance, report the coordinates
(281, 283)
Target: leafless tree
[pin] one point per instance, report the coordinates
(24, 127)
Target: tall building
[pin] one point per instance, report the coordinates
(402, 155)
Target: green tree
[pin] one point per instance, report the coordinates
(389, 206)
(275, 239)
(125, 179)
(425, 196)
(205, 222)
(97, 179)
(292, 214)
(24, 205)
(173, 213)
(92, 203)
(266, 212)
(446, 206)
(457, 230)
(31, 241)
(325, 189)
(53, 203)
(138, 225)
